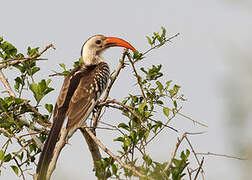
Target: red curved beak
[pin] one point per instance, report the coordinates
(113, 41)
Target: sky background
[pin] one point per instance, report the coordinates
(211, 60)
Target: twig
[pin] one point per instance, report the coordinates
(175, 151)
(47, 123)
(157, 46)
(23, 148)
(194, 121)
(221, 155)
(137, 76)
(106, 150)
(200, 167)
(189, 173)
(125, 107)
(159, 131)
(195, 155)
(8, 134)
(21, 170)
(16, 61)
(6, 84)
(187, 117)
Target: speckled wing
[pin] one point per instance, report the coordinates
(90, 88)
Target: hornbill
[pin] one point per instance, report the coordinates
(79, 94)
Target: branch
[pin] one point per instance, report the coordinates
(93, 147)
(106, 150)
(131, 110)
(194, 121)
(47, 123)
(8, 134)
(196, 157)
(221, 155)
(6, 84)
(175, 151)
(161, 44)
(200, 167)
(16, 61)
(137, 76)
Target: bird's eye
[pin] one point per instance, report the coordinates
(98, 42)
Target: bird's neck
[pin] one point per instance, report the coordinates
(90, 57)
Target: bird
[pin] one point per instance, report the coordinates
(80, 92)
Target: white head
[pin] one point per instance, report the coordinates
(94, 47)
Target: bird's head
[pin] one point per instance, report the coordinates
(94, 47)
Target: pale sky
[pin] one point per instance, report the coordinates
(201, 60)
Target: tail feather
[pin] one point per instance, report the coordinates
(47, 153)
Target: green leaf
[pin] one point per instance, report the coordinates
(41, 89)
(2, 155)
(160, 86)
(146, 134)
(175, 104)
(123, 125)
(48, 82)
(7, 158)
(163, 33)
(147, 159)
(1, 39)
(49, 108)
(114, 169)
(142, 107)
(149, 40)
(15, 169)
(9, 49)
(63, 66)
(17, 83)
(166, 111)
(167, 85)
(32, 52)
(119, 139)
(34, 88)
(35, 69)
